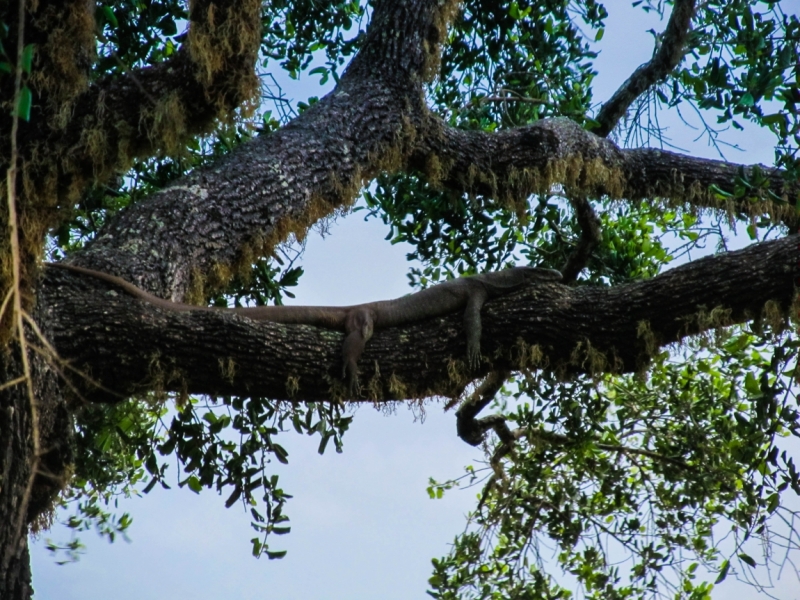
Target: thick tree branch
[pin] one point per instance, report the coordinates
(155, 109)
(667, 57)
(584, 329)
(515, 163)
(404, 41)
(282, 183)
(255, 197)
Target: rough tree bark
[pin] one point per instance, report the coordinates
(190, 238)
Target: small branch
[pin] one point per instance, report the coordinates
(589, 240)
(654, 71)
(469, 429)
(18, 314)
(563, 440)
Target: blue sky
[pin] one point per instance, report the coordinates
(363, 526)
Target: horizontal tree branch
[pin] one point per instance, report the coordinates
(130, 346)
(515, 163)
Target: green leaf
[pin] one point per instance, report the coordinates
(194, 484)
(109, 16)
(723, 572)
(27, 58)
(773, 501)
(718, 192)
(751, 385)
(774, 119)
(233, 497)
(24, 105)
(281, 454)
(747, 559)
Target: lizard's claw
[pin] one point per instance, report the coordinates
(353, 386)
(474, 358)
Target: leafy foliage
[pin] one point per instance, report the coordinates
(229, 450)
(633, 477)
(743, 65)
(134, 34)
(294, 32)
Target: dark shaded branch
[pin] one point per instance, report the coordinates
(668, 56)
(590, 238)
(470, 429)
(553, 438)
(512, 164)
(586, 329)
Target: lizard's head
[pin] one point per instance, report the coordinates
(499, 282)
(534, 274)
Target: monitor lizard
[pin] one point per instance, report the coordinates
(359, 321)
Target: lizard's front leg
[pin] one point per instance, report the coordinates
(472, 325)
(358, 330)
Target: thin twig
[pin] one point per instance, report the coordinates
(6, 300)
(12, 383)
(11, 183)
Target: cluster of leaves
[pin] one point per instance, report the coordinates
(631, 479)
(228, 448)
(294, 32)
(136, 33)
(743, 65)
(453, 236)
(533, 54)
(112, 445)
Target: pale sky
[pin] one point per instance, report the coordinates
(363, 526)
